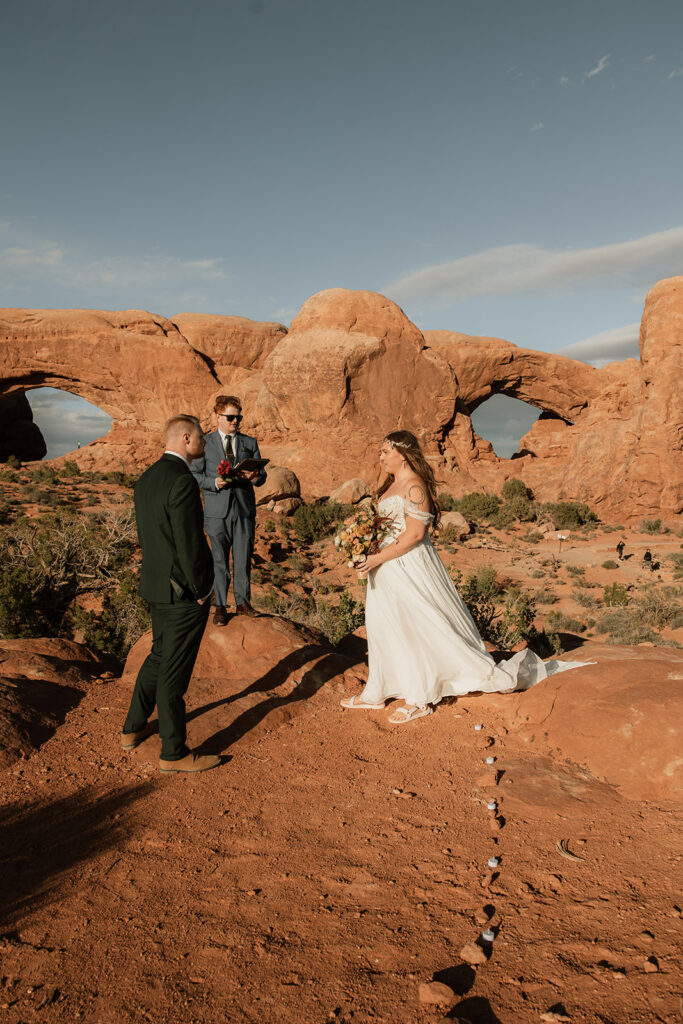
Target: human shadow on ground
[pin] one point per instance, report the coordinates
(43, 841)
(475, 1010)
(312, 681)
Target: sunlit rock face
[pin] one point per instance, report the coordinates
(353, 367)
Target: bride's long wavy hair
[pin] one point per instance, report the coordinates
(409, 447)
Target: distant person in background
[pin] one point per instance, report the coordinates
(647, 560)
(176, 579)
(229, 506)
(620, 550)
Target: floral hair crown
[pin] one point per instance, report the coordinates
(398, 444)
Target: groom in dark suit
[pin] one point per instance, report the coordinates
(229, 506)
(176, 579)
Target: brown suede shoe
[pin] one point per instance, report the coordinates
(191, 763)
(220, 616)
(246, 609)
(131, 740)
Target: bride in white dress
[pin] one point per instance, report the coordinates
(423, 644)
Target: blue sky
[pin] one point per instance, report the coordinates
(506, 169)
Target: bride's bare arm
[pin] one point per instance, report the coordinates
(417, 504)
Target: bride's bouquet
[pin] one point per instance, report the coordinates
(362, 534)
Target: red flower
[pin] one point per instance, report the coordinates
(224, 468)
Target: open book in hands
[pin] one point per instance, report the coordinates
(248, 466)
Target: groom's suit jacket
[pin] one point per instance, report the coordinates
(169, 518)
(217, 504)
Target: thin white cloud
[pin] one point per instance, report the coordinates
(564, 81)
(611, 346)
(66, 420)
(28, 262)
(650, 56)
(600, 66)
(511, 269)
(537, 126)
(674, 74)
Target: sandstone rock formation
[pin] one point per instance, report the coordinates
(620, 719)
(353, 367)
(350, 492)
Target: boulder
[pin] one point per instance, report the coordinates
(19, 435)
(456, 522)
(620, 719)
(280, 483)
(350, 492)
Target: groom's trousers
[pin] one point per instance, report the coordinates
(164, 677)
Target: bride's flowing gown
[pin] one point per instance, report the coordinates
(423, 644)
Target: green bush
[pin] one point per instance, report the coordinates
(336, 621)
(478, 506)
(676, 560)
(314, 522)
(557, 622)
(660, 608)
(610, 564)
(449, 534)
(45, 474)
(269, 526)
(119, 477)
(49, 561)
(533, 536)
(569, 515)
(615, 595)
(121, 622)
(446, 501)
(576, 570)
(586, 600)
(13, 462)
(71, 468)
(514, 488)
(653, 526)
(622, 627)
(517, 618)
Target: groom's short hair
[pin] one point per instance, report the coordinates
(223, 401)
(179, 423)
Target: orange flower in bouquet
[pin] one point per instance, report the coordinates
(361, 535)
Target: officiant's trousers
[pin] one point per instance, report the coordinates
(235, 532)
(164, 677)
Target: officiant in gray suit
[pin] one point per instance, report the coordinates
(229, 505)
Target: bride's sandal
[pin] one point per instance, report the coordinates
(402, 715)
(358, 705)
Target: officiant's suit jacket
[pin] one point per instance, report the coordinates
(238, 495)
(168, 511)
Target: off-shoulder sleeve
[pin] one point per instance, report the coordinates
(411, 509)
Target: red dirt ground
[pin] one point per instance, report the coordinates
(328, 867)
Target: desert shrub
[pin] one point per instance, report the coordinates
(660, 608)
(13, 462)
(622, 627)
(558, 621)
(269, 526)
(676, 560)
(449, 534)
(49, 561)
(521, 508)
(119, 477)
(299, 563)
(586, 600)
(576, 570)
(334, 620)
(615, 595)
(123, 619)
(313, 522)
(446, 501)
(45, 475)
(653, 526)
(537, 574)
(533, 536)
(514, 488)
(517, 618)
(569, 515)
(545, 596)
(478, 506)
(610, 564)
(480, 591)
(71, 468)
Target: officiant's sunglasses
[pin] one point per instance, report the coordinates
(232, 417)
